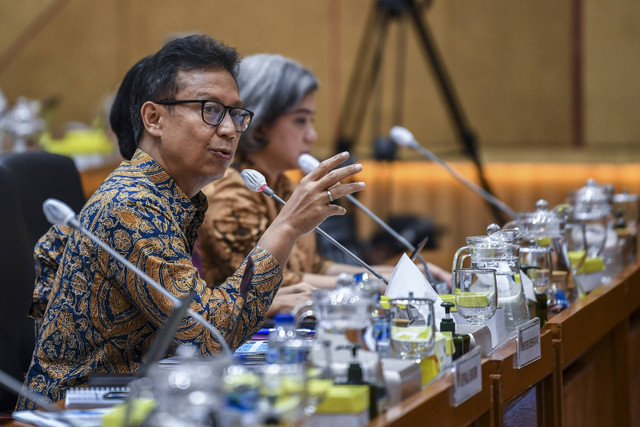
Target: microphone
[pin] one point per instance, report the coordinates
(58, 212)
(404, 137)
(256, 182)
(308, 163)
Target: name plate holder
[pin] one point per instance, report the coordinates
(467, 377)
(527, 343)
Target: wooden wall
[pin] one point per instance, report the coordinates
(428, 191)
(512, 63)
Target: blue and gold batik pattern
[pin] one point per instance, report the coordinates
(99, 317)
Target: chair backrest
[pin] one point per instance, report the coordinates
(26, 181)
(39, 175)
(17, 275)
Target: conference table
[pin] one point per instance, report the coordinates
(588, 373)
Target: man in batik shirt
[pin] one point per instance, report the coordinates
(183, 130)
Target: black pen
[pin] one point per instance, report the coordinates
(418, 248)
(116, 395)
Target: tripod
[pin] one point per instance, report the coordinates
(367, 70)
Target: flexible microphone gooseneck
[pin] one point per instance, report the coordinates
(58, 212)
(53, 413)
(404, 137)
(17, 387)
(308, 163)
(256, 182)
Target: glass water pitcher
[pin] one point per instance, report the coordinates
(343, 319)
(591, 237)
(543, 230)
(499, 250)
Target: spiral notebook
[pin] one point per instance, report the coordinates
(95, 397)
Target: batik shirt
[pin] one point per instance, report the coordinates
(99, 316)
(236, 219)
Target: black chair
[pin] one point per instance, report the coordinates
(26, 181)
(39, 175)
(17, 276)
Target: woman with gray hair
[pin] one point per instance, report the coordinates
(282, 95)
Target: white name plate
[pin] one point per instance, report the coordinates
(467, 377)
(528, 343)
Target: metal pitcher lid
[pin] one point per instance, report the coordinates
(542, 222)
(592, 201)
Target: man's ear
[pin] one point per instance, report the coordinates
(151, 118)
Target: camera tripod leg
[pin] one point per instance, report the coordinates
(363, 79)
(366, 73)
(465, 134)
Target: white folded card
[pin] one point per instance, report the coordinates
(406, 278)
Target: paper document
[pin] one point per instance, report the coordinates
(85, 418)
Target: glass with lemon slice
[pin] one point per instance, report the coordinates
(475, 293)
(412, 327)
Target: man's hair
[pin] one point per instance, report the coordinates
(154, 78)
(270, 86)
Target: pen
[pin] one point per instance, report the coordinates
(116, 395)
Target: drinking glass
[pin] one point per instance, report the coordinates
(476, 294)
(319, 377)
(265, 394)
(585, 245)
(412, 327)
(186, 388)
(537, 263)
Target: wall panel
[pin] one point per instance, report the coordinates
(509, 63)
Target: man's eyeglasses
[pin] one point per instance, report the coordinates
(213, 113)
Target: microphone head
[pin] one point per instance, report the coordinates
(402, 136)
(307, 162)
(254, 180)
(58, 212)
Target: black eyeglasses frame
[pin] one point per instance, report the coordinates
(203, 102)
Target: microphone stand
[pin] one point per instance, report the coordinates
(256, 182)
(307, 163)
(15, 386)
(51, 410)
(338, 245)
(395, 234)
(490, 198)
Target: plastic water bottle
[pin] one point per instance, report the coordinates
(284, 345)
(381, 325)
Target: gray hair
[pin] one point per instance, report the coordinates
(270, 86)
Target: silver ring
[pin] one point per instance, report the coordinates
(330, 196)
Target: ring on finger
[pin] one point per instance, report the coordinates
(330, 196)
